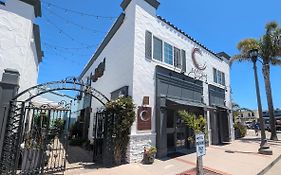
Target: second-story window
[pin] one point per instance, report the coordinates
(168, 53)
(219, 77)
(157, 49)
(162, 51)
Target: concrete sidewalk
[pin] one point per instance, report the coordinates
(275, 169)
(238, 158)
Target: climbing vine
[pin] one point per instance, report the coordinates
(123, 110)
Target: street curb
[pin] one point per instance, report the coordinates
(266, 169)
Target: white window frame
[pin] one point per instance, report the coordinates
(163, 52)
(219, 77)
(171, 54)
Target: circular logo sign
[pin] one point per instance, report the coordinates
(195, 62)
(144, 116)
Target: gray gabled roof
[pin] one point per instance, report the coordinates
(153, 3)
(37, 39)
(37, 6)
(188, 36)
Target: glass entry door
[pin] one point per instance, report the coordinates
(181, 137)
(176, 132)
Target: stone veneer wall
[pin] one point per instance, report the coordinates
(137, 144)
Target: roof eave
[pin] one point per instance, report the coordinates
(153, 3)
(37, 6)
(104, 43)
(188, 36)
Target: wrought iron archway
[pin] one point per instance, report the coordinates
(17, 120)
(70, 83)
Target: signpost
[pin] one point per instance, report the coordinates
(200, 145)
(201, 151)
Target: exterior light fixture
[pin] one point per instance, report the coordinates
(253, 54)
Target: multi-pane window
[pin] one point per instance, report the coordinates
(157, 49)
(219, 77)
(168, 53)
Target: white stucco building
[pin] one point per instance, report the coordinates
(20, 51)
(20, 48)
(164, 70)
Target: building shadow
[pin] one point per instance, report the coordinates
(222, 144)
(77, 154)
(176, 154)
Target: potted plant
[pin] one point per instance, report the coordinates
(149, 155)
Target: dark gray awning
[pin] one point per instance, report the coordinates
(222, 107)
(187, 103)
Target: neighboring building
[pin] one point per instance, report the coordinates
(247, 115)
(164, 70)
(20, 48)
(20, 51)
(277, 115)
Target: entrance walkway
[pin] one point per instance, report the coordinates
(238, 158)
(79, 161)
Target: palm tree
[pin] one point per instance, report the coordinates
(270, 52)
(246, 47)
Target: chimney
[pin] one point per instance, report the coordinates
(153, 3)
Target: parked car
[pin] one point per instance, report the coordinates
(267, 124)
(248, 124)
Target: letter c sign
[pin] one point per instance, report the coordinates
(196, 64)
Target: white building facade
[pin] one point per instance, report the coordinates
(20, 48)
(20, 51)
(164, 70)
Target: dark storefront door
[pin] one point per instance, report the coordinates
(219, 127)
(176, 132)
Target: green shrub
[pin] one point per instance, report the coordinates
(241, 130)
(123, 109)
(196, 123)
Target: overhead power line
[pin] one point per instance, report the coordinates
(69, 52)
(73, 23)
(69, 48)
(66, 58)
(78, 12)
(61, 31)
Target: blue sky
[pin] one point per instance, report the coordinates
(69, 39)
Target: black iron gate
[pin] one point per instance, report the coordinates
(98, 134)
(36, 139)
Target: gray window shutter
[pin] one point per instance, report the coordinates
(215, 75)
(148, 45)
(183, 61)
(223, 78)
(177, 58)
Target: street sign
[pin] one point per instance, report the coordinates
(200, 145)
